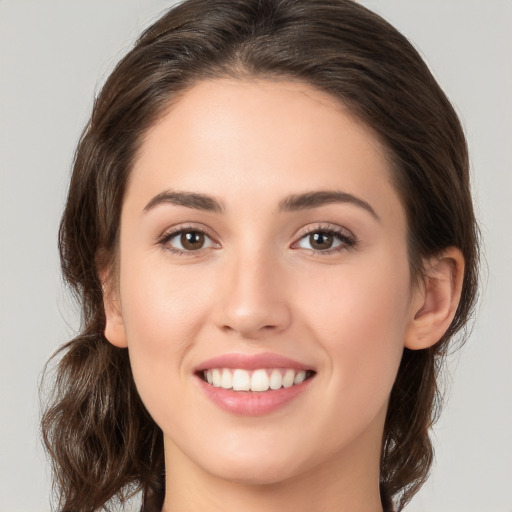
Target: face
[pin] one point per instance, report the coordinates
(262, 245)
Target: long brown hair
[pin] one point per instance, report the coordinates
(103, 443)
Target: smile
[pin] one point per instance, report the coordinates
(258, 380)
(253, 384)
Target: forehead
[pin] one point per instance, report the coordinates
(280, 110)
(244, 139)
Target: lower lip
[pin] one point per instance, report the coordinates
(252, 403)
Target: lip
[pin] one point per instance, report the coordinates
(252, 403)
(251, 362)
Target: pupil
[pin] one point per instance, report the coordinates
(321, 240)
(192, 240)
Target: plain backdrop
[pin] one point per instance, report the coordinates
(55, 54)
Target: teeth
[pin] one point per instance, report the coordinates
(241, 380)
(216, 377)
(288, 378)
(257, 380)
(276, 379)
(300, 377)
(226, 381)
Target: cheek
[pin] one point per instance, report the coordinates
(351, 302)
(154, 313)
(162, 313)
(162, 304)
(359, 318)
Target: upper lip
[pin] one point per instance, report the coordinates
(251, 362)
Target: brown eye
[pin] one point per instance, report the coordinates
(321, 241)
(192, 240)
(326, 240)
(187, 240)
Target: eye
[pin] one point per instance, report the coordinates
(326, 240)
(187, 240)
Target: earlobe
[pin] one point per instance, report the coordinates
(114, 324)
(436, 299)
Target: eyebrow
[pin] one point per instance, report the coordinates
(315, 199)
(294, 202)
(187, 199)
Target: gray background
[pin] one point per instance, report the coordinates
(55, 53)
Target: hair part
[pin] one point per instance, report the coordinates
(101, 439)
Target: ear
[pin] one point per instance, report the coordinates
(114, 324)
(435, 299)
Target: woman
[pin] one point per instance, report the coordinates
(270, 229)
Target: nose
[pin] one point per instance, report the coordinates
(254, 300)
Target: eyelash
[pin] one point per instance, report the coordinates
(172, 233)
(348, 241)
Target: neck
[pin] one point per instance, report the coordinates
(345, 483)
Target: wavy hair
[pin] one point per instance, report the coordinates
(103, 444)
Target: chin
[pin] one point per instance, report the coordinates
(261, 474)
(262, 467)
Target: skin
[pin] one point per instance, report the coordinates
(257, 285)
